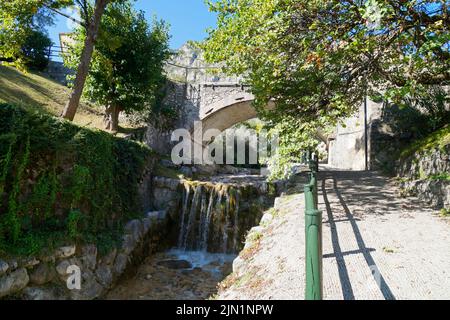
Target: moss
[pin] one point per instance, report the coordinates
(436, 140)
(162, 171)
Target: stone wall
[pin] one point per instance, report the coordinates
(44, 277)
(425, 175)
(347, 147)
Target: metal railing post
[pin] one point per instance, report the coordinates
(313, 238)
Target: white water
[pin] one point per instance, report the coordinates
(207, 205)
(201, 259)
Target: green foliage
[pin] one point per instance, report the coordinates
(19, 19)
(36, 50)
(438, 139)
(127, 65)
(318, 59)
(445, 212)
(63, 183)
(443, 176)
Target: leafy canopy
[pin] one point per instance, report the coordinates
(127, 65)
(19, 18)
(317, 59)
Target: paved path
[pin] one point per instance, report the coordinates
(376, 245)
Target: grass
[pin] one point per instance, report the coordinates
(445, 212)
(437, 139)
(443, 176)
(35, 91)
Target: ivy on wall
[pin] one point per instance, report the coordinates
(61, 183)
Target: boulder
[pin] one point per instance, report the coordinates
(35, 293)
(120, 264)
(135, 229)
(29, 262)
(13, 282)
(90, 288)
(89, 256)
(65, 252)
(42, 274)
(104, 276)
(4, 266)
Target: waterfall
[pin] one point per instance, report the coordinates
(209, 218)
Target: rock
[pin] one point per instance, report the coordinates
(128, 244)
(104, 276)
(120, 264)
(4, 266)
(90, 288)
(238, 266)
(278, 203)
(62, 267)
(29, 262)
(135, 229)
(108, 259)
(257, 229)
(33, 293)
(165, 183)
(186, 171)
(13, 264)
(48, 258)
(157, 215)
(89, 256)
(43, 274)
(13, 282)
(65, 252)
(267, 218)
(175, 264)
(208, 170)
(147, 224)
(168, 164)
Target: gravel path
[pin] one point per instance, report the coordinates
(376, 245)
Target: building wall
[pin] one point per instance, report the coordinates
(347, 150)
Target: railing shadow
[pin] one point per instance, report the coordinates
(378, 277)
(347, 290)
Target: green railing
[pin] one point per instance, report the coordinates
(313, 231)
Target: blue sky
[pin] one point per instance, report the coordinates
(188, 19)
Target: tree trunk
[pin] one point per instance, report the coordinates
(85, 60)
(112, 118)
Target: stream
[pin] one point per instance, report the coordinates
(214, 216)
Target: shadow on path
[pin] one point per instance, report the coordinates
(347, 290)
(343, 274)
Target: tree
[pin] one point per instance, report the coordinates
(127, 65)
(91, 25)
(318, 59)
(19, 22)
(16, 17)
(36, 50)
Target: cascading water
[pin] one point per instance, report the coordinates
(209, 218)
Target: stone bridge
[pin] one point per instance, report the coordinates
(220, 102)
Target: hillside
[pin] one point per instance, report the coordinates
(35, 91)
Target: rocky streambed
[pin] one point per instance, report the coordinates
(211, 218)
(175, 275)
